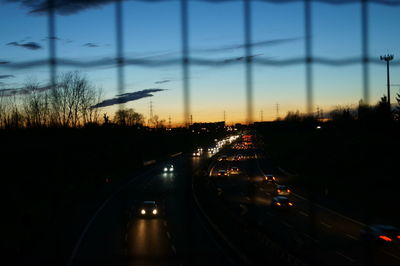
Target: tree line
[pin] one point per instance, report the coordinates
(67, 104)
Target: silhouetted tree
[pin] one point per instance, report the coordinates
(397, 110)
(128, 117)
(342, 114)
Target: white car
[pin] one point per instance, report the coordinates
(169, 168)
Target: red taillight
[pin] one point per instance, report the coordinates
(288, 190)
(398, 237)
(388, 239)
(291, 204)
(278, 204)
(279, 190)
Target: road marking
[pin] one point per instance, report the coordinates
(326, 225)
(391, 254)
(168, 235)
(244, 209)
(248, 198)
(173, 248)
(268, 193)
(165, 223)
(310, 237)
(303, 213)
(352, 237)
(346, 257)
(288, 225)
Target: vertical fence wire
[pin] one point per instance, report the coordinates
(185, 61)
(365, 50)
(120, 48)
(52, 39)
(248, 59)
(308, 55)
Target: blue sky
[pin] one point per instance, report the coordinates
(152, 30)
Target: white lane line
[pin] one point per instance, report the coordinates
(352, 237)
(391, 254)
(326, 225)
(173, 248)
(303, 213)
(268, 193)
(310, 237)
(248, 198)
(288, 225)
(344, 256)
(168, 235)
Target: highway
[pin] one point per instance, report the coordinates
(319, 235)
(179, 236)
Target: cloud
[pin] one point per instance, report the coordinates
(254, 44)
(128, 97)
(4, 62)
(22, 91)
(91, 45)
(162, 81)
(6, 76)
(28, 45)
(240, 58)
(63, 7)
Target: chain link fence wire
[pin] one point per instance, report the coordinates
(185, 60)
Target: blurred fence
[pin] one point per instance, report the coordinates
(185, 60)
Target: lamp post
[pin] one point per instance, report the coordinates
(388, 58)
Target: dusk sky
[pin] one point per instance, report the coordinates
(152, 30)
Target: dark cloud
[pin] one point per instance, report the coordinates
(240, 58)
(4, 62)
(22, 91)
(162, 81)
(254, 44)
(63, 7)
(27, 45)
(91, 45)
(127, 97)
(6, 76)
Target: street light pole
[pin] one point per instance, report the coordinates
(388, 58)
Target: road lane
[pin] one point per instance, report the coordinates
(116, 237)
(336, 237)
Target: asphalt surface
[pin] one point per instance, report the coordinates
(321, 235)
(117, 235)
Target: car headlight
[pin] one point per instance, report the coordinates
(171, 169)
(155, 211)
(165, 169)
(143, 211)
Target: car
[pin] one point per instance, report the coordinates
(196, 154)
(281, 202)
(222, 173)
(282, 190)
(269, 178)
(148, 209)
(381, 234)
(238, 157)
(168, 168)
(223, 158)
(234, 170)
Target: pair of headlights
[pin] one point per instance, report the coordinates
(143, 211)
